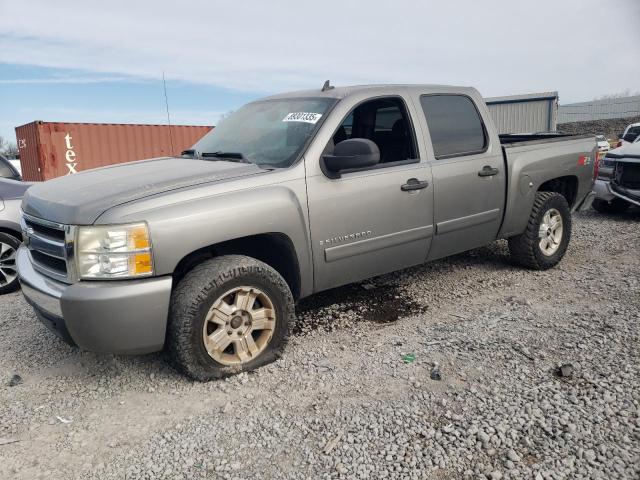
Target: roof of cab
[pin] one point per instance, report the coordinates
(342, 92)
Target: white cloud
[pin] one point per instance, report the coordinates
(102, 115)
(501, 47)
(64, 80)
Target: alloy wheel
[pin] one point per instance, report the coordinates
(239, 325)
(550, 233)
(8, 272)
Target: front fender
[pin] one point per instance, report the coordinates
(181, 227)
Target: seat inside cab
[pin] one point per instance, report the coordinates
(383, 121)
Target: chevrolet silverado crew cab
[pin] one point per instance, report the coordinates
(204, 255)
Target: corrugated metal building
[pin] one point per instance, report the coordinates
(623, 107)
(528, 113)
(52, 149)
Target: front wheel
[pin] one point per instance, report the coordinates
(229, 314)
(8, 273)
(545, 241)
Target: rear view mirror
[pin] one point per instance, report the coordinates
(350, 154)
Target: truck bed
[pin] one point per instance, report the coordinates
(529, 157)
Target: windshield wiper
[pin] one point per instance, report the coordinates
(228, 156)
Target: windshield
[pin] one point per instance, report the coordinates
(267, 133)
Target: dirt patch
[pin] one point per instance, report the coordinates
(379, 303)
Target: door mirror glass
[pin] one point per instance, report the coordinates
(350, 154)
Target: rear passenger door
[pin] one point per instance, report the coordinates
(468, 174)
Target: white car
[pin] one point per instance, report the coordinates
(603, 143)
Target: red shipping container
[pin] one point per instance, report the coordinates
(52, 149)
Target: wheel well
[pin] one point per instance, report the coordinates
(10, 231)
(565, 186)
(274, 249)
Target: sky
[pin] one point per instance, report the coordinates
(97, 61)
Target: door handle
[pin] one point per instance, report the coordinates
(414, 184)
(488, 171)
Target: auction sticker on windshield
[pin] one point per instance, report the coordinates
(302, 117)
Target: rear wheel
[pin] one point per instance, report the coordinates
(545, 241)
(8, 273)
(617, 205)
(229, 314)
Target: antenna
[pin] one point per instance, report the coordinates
(327, 86)
(166, 103)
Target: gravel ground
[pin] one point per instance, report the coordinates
(448, 370)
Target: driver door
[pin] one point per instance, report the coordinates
(365, 223)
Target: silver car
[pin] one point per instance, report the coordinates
(11, 193)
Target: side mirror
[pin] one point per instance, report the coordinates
(350, 154)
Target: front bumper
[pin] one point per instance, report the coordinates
(123, 316)
(607, 191)
(631, 196)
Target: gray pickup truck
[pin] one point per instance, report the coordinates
(617, 184)
(204, 255)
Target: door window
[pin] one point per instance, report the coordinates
(455, 126)
(384, 121)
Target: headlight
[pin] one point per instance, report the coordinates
(114, 251)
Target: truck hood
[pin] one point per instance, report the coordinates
(81, 198)
(629, 150)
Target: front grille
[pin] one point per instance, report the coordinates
(50, 232)
(48, 244)
(57, 265)
(628, 175)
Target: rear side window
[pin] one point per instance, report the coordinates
(455, 126)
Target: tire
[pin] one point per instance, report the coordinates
(527, 250)
(617, 205)
(228, 282)
(8, 274)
